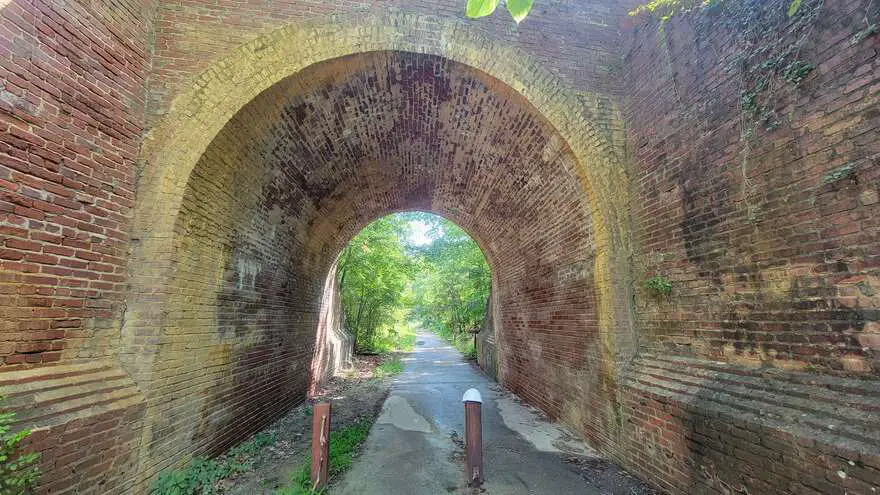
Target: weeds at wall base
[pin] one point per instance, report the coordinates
(19, 474)
(344, 447)
(201, 475)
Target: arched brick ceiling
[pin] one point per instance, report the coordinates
(351, 139)
(300, 169)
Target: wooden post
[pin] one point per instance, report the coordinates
(320, 444)
(473, 435)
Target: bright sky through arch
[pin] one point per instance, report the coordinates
(419, 233)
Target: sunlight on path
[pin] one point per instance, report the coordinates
(416, 445)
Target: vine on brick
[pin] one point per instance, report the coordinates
(659, 284)
(764, 52)
(766, 59)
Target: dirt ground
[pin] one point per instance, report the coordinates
(355, 395)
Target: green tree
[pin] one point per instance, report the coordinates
(374, 271)
(388, 281)
(452, 291)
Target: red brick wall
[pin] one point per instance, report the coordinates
(770, 242)
(85, 420)
(773, 261)
(744, 377)
(72, 94)
(575, 40)
(71, 116)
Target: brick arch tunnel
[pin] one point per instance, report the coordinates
(305, 165)
(176, 178)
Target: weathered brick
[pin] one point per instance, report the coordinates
(535, 150)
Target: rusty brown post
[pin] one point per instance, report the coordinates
(320, 444)
(473, 435)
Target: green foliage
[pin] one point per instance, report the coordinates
(480, 8)
(518, 9)
(866, 289)
(659, 284)
(344, 444)
(19, 474)
(793, 7)
(388, 281)
(391, 366)
(407, 342)
(201, 475)
(796, 71)
(452, 291)
(374, 271)
(466, 347)
(864, 34)
(464, 342)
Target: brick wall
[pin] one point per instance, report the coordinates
(258, 166)
(334, 345)
(773, 260)
(72, 106)
(192, 34)
(85, 420)
(72, 80)
(770, 242)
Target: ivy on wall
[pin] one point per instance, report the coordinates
(767, 39)
(19, 473)
(762, 50)
(666, 9)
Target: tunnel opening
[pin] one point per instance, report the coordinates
(403, 272)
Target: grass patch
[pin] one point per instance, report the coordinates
(201, 475)
(344, 444)
(391, 366)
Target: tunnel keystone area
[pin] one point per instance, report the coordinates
(681, 217)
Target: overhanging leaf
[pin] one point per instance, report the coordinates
(519, 9)
(793, 8)
(480, 8)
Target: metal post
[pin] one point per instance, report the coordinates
(320, 444)
(473, 435)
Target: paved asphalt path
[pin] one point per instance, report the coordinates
(416, 446)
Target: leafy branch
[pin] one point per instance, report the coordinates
(518, 9)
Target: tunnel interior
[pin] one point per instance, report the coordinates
(307, 164)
